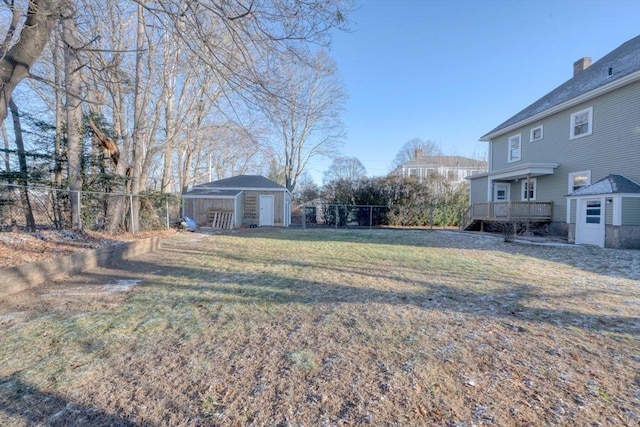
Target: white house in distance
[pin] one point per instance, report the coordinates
(572, 158)
(453, 168)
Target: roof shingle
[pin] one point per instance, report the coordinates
(615, 65)
(612, 184)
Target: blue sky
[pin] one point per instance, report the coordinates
(450, 71)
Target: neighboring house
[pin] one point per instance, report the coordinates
(453, 168)
(572, 158)
(242, 200)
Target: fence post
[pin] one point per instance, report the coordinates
(166, 206)
(431, 217)
(336, 206)
(304, 217)
(370, 217)
(133, 231)
(79, 209)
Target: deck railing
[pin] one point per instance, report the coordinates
(508, 212)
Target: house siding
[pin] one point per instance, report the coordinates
(574, 211)
(608, 212)
(615, 126)
(478, 190)
(198, 209)
(630, 210)
(252, 207)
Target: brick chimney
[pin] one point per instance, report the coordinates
(418, 153)
(581, 65)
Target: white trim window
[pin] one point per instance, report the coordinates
(581, 123)
(577, 180)
(536, 134)
(515, 151)
(529, 186)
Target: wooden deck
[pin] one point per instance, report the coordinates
(508, 212)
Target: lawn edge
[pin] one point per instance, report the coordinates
(21, 277)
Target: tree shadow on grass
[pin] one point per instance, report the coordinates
(512, 301)
(586, 258)
(504, 298)
(34, 407)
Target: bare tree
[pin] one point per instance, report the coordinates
(233, 150)
(345, 168)
(306, 115)
(23, 180)
(416, 148)
(23, 43)
(156, 70)
(73, 107)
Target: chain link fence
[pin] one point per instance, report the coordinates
(50, 208)
(321, 214)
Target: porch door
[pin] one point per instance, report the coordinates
(501, 197)
(266, 211)
(590, 222)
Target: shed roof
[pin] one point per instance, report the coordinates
(612, 184)
(243, 182)
(211, 193)
(619, 63)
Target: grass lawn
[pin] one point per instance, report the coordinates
(330, 328)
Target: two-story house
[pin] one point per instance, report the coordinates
(572, 158)
(454, 169)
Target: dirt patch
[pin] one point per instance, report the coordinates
(286, 327)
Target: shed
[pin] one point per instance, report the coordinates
(242, 200)
(606, 213)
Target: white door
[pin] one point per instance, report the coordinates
(266, 211)
(500, 197)
(590, 222)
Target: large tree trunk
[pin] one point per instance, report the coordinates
(58, 144)
(73, 83)
(15, 63)
(138, 123)
(24, 172)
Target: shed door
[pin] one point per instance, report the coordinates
(266, 211)
(590, 222)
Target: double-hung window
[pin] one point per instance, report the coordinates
(514, 148)
(529, 189)
(581, 123)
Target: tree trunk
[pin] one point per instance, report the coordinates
(138, 130)
(24, 172)
(15, 63)
(73, 84)
(58, 217)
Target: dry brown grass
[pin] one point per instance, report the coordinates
(324, 328)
